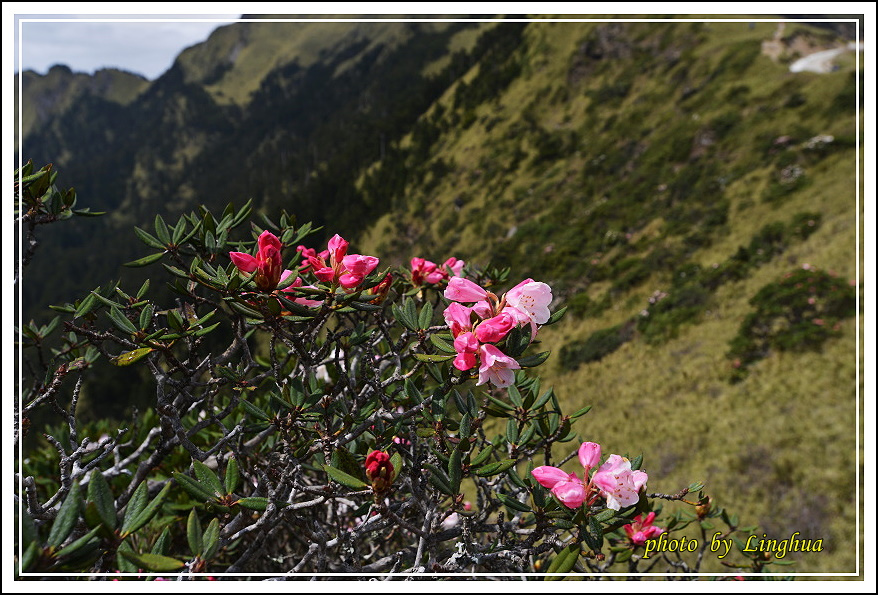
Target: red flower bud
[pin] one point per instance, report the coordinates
(379, 470)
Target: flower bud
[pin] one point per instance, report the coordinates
(379, 470)
(703, 508)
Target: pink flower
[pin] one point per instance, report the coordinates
(495, 366)
(642, 529)
(618, 483)
(529, 302)
(566, 487)
(589, 455)
(463, 290)
(458, 318)
(426, 271)
(267, 263)
(494, 329)
(454, 266)
(336, 265)
(466, 345)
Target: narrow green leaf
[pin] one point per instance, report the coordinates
(77, 544)
(425, 316)
(482, 456)
(232, 477)
(397, 462)
(441, 345)
(343, 478)
(67, 517)
(161, 544)
(161, 230)
(146, 514)
(604, 515)
(142, 262)
(512, 431)
(129, 357)
(513, 503)
(119, 320)
(455, 470)
(123, 563)
(195, 489)
(495, 468)
(211, 539)
(193, 534)
(148, 239)
(555, 317)
(425, 357)
(594, 535)
(86, 305)
(254, 503)
(205, 330)
(208, 478)
(154, 562)
(532, 361)
(135, 506)
(563, 562)
(581, 412)
(544, 398)
(254, 410)
(99, 493)
(146, 316)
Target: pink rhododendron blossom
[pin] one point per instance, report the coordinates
(267, 263)
(463, 290)
(426, 271)
(458, 318)
(467, 346)
(567, 487)
(618, 483)
(496, 367)
(589, 455)
(642, 529)
(454, 266)
(494, 329)
(529, 303)
(291, 288)
(335, 265)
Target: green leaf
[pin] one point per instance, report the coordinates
(555, 317)
(532, 361)
(254, 410)
(195, 489)
(511, 431)
(517, 341)
(425, 316)
(455, 470)
(207, 477)
(604, 515)
(161, 230)
(397, 462)
(482, 456)
(211, 540)
(441, 345)
(514, 396)
(146, 316)
(77, 544)
(119, 320)
(343, 478)
(425, 357)
(153, 562)
(99, 493)
(67, 517)
(254, 503)
(86, 305)
(142, 262)
(129, 357)
(146, 514)
(193, 534)
(123, 563)
(495, 468)
(581, 412)
(232, 478)
(135, 506)
(161, 544)
(594, 534)
(513, 503)
(564, 561)
(148, 239)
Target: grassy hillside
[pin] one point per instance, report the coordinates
(622, 157)
(660, 176)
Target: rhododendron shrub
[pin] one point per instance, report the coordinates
(322, 412)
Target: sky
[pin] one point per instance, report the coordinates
(144, 45)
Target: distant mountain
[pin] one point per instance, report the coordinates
(658, 175)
